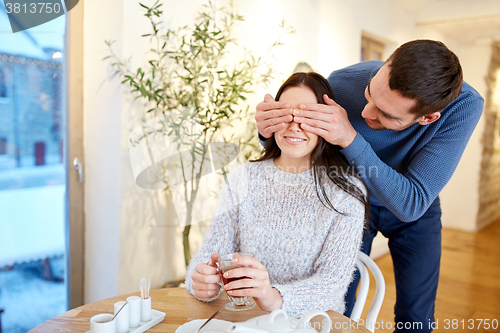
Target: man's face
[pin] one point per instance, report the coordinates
(386, 108)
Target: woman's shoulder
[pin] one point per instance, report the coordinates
(253, 167)
(236, 173)
(248, 170)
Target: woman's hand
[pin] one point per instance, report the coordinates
(257, 286)
(206, 279)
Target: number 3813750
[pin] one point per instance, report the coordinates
(33, 8)
(470, 324)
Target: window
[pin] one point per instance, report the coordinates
(3, 83)
(3, 146)
(33, 174)
(371, 49)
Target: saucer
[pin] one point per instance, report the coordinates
(156, 318)
(215, 325)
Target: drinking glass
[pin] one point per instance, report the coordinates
(224, 264)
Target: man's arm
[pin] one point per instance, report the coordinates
(409, 195)
(328, 121)
(406, 195)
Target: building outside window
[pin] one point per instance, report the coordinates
(32, 174)
(3, 83)
(3, 146)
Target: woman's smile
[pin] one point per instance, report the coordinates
(294, 140)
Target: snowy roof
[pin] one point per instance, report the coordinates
(31, 42)
(28, 235)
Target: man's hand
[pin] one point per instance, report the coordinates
(328, 121)
(272, 116)
(206, 278)
(256, 283)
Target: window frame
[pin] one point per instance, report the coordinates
(75, 216)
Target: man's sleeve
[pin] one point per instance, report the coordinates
(262, 139)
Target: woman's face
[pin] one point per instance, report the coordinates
(293, 141)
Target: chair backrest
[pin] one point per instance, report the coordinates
(362, 262)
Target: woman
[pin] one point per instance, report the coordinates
(297, 209)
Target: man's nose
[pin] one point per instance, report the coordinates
(369, 111)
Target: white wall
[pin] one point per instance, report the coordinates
(145, 237)
(132, 232)
(460, 197)
(102, 141)
(470, 38)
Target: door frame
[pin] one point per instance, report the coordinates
(75, 214)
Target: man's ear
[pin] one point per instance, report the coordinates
(430, 118)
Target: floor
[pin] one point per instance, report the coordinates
(468, 297)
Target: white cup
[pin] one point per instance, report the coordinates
(122, 320)
(102, 323)
(134, 311)
(146, 309)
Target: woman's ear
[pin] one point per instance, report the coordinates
(430, 118)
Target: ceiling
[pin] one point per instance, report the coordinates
(412, 5)
(463, 20)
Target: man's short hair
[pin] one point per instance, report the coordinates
(427, 71)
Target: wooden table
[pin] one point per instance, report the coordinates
(180, 307)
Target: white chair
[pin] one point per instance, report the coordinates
(362, 262)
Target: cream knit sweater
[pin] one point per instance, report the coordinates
(307, 249)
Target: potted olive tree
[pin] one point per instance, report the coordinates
(189, 75)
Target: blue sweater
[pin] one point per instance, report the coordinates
(404, 170)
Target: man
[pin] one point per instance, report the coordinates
(403, 125)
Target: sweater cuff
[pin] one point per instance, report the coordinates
(356, 149)
(284, 295)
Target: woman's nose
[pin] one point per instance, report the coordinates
(294, 127)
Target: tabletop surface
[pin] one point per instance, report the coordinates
(180, 307)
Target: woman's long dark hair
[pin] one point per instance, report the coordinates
(325, 158)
